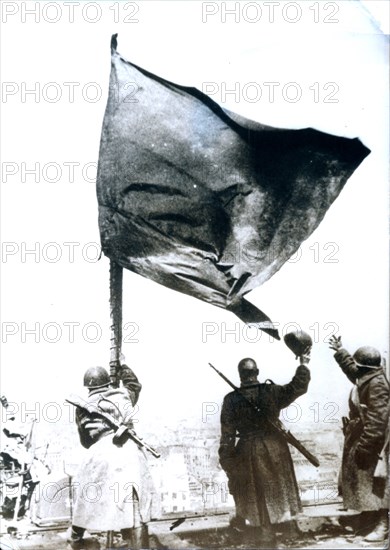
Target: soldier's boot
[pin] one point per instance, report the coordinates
(141, 537)
(137, 537)
(380, 533)
(268, 534)
(291, 530)
(265, 536)
(76, 534)
(237, 523)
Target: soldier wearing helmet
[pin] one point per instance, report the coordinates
(96, 377)
(110, 464)
(364, 470)
(259, 466)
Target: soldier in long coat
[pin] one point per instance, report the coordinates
(259, 467)
(364, 470)
(113, 486)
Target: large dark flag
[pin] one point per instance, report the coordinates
(205, 201)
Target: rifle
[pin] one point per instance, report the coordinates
(278, 426)
(122, 432)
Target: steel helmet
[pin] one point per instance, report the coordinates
(297, 341)
(367, 356)
(96, 377)
(248, 365)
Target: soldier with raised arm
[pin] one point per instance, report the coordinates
(259, 467)
(364, 470)
(113, 486)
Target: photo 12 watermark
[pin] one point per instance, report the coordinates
(311, 492)
(51, 252)
(316, 412)
(71, 332)
(53, 412)
(48, 172)
(67, 92)
(259, 12)
(252, 255)
(70, 12)
(236, 332)
(272, 92)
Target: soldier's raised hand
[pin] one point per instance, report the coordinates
(4, 401)
(304, 359)
(335, 343)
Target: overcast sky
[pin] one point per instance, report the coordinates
(337, 59)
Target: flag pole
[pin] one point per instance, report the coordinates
(116, 288)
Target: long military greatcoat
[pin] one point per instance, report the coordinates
(368, 421)
(260, 469)
(113, 485)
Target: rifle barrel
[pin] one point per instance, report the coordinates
(298, 445)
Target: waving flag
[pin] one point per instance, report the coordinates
(205, 201)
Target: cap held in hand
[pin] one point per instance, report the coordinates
(298, 341)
